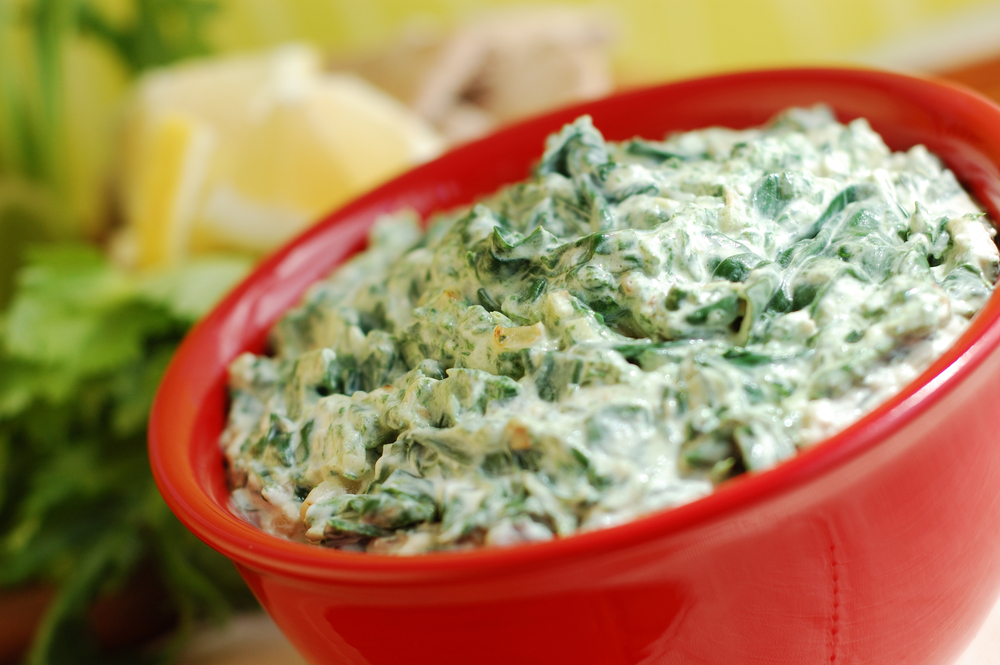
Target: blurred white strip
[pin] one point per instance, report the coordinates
(249, 639)
(985, 649)
(963, 38)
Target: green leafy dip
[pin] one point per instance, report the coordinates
(632, 325)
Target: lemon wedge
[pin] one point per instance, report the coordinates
(242, 153)
(166, 188)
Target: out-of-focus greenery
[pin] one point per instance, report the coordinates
(157, 32)
(83, 345)
(34, 38)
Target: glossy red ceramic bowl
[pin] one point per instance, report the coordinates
(880, 545)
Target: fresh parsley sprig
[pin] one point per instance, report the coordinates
(82, 349)
(83, 346)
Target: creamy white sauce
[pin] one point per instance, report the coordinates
(630, 326)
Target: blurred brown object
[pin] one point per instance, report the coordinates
(982, 76)
(503, 66)
(20, 612)
(125, 618)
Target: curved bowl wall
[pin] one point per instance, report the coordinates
(879, 545)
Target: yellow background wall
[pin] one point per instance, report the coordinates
(656, 40)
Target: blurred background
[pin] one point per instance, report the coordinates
(152, 150)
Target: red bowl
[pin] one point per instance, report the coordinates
(879, 545)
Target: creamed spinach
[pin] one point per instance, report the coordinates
(633, 324)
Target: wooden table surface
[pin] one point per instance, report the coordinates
(982, 76)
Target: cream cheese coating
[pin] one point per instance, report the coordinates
(630, 326)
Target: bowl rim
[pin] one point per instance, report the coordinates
(173, 460)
